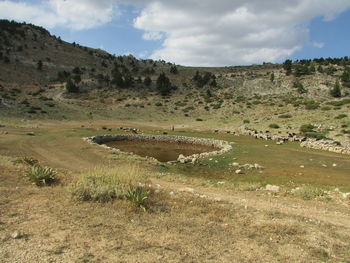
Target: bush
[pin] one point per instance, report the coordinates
(246, 121)
(199, 119)
(27, 160)
(274, 126)
(285, 116)
(41, 175)
(106, 185)
(341, 116)
(158, 104)
(138, 196)
(307, 128)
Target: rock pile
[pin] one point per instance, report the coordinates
(326, 145)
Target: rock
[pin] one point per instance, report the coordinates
(334, 165)
(272, 188)
(324, 165)
(221, 182)
(235, 164)
(346, 195)
(181, 158)
(188, 190)
(238, 171)
(3, 132)
(302, 166)
(16, 235)
(258, 166)
(279, 142)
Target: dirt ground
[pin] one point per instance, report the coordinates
(185, 223)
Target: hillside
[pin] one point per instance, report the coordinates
(35, 68)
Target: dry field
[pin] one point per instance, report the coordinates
(184, 222)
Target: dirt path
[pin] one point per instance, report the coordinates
(338, 215)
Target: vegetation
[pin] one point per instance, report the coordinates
(336, 92)
(107, 184)
(41, 175)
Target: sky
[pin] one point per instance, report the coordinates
(196, 32)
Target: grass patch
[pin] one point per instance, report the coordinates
(105, 184)
(274, 126)
(309, 193)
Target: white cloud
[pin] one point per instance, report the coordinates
(232, 32)
(318, 44)
(74, 14)
(152, 35)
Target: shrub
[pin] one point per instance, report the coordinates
(105, 185)
(199, 119)
(138, 196)
(246, 121)
(309, 193)
(41, 175)
(158, 104)
(26, 160)
(274, 126)
(307, 128)
(341, 116)
(311, 105)
(285, 116)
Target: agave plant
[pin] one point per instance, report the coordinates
(41, 175)
(138, 196)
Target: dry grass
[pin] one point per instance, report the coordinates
(177, 228)
(104, 184)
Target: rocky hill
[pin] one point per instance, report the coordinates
(44, 77)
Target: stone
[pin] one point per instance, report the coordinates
(346, 195)
(258, 166)
(235, 164)
(279, 142)
(334, 165)
(188, 190)
(16, 235)
(238, 171)
(302, 166)
(272, 188)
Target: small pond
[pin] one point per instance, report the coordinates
(162, 151)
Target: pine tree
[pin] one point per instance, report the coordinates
(336, 91)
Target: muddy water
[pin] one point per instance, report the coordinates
(162, 151)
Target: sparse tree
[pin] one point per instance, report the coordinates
(71, 87)
(147, 81)
(163, 84)
(336, 91)
(272, 77)
(287, 65)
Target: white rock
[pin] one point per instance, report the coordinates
(334, 165)
(188, 190)
(302, 166)
(238, 171)
(235, 164)
(346, 195)
(273, 188)
(16, 235)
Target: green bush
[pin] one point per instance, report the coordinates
(41, 175)
(341, 116)
(274, 126)
(307, 128)
(246, 121)
(285, 116)
(158, 104)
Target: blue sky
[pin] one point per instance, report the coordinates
(192, 32)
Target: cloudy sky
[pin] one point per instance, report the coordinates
(196, 32)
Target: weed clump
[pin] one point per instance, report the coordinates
(105, 185)
(41, 175)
